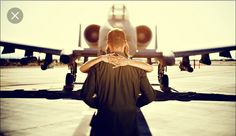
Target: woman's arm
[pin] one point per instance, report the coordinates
(122, 61)
(105, 58)
(87, 65)
(117, 61)
(141, 65)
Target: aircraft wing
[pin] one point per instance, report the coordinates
(147, 53)
(150, 53)
(10, 48)
(205, 51)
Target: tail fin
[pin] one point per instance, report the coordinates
(156, 45)
(79, 42)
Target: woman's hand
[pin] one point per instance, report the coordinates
(106, 58)
(118, 60)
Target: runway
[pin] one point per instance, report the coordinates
(62, 117)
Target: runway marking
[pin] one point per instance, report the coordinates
(84, 128)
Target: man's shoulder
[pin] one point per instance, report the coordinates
(102, 65)
(130, 69)
(139, 70)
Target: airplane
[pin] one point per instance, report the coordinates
(138, 38)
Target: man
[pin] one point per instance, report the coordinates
(116, 92)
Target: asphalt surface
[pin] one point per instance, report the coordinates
(63, 117)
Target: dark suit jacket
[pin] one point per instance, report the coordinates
(116, 93)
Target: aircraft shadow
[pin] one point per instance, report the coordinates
(161, 96)
(194, 96)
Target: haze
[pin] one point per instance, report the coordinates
(181, 24)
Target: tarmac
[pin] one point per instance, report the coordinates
(65, 117)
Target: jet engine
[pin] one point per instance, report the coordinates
(91, 35)
(144, 36)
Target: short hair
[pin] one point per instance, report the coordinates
(116, 37)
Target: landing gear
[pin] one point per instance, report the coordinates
(71, 77)
(69, 82)
(165, 83)
(163, 79)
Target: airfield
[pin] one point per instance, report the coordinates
(65, 117)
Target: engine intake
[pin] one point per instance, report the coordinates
(91, 35)
(144, 36)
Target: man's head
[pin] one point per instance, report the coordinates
(116, 41)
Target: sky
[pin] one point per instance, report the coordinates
(181, 25)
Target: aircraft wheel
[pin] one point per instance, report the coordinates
(165, 83)
(69, 79)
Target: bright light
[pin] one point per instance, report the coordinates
(181, 24)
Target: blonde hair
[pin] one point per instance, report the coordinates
(116, 38)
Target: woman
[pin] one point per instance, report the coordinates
(116, 59)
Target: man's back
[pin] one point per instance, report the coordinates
(117, 88)
(117, 97)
